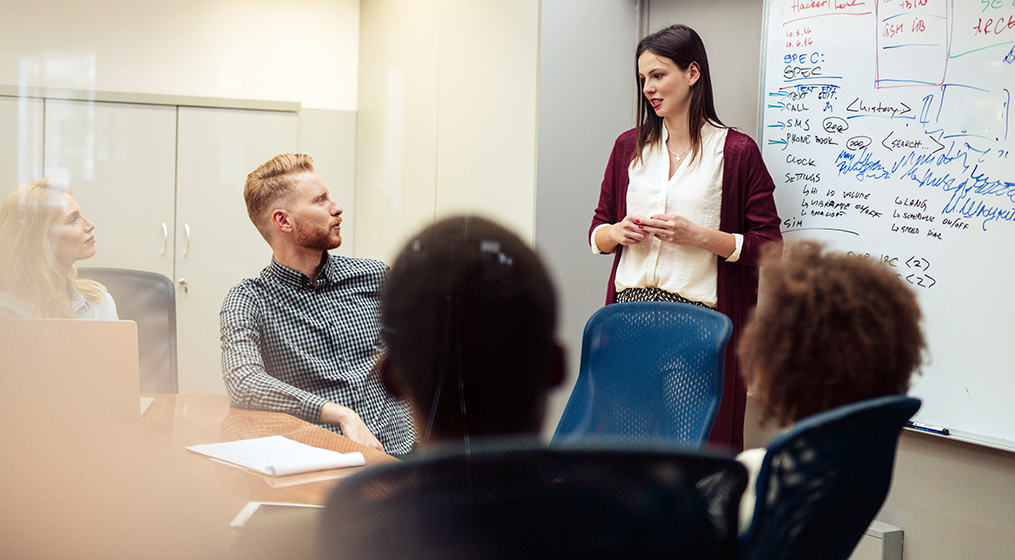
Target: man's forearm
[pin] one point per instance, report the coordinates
(351, 424)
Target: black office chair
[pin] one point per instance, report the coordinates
(520, 501)
(823, 481)
(148, 299)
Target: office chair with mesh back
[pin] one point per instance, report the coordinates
(649, 370)
(509, 501)
(148, 299)
(823, 481)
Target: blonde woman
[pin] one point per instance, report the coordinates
(42, 234)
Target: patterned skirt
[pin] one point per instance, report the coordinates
(654, 294)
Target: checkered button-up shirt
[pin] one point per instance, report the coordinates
(289, 346)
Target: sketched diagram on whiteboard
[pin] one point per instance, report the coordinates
(887, 126)
(908, 133)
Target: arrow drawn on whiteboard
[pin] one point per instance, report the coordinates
(783, 142)
(778, 124)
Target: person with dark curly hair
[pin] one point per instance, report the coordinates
(469, 317)
(830, 329)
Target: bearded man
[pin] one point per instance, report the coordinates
(302, 338)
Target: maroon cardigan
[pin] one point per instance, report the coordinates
(747, 208)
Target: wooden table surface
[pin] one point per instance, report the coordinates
(133, 490)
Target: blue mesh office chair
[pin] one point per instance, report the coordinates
(512, 501)
(823, 481)
(148, 299)
(649, 370)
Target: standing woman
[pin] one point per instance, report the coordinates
(42, 235)
(686, 205)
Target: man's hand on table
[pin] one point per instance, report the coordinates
(351, 424)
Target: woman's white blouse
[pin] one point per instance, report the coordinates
(694, 192)
(104, 310)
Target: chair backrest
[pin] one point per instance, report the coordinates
(148, 299)
(823, 481)
(649, 370)
(511, 501)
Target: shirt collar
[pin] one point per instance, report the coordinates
(78, 301)
(295, 279)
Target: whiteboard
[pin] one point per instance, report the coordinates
(887, 127)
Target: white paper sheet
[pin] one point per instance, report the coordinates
(278, 455)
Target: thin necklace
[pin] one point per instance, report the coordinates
(676, 156)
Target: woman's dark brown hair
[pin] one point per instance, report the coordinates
(830, 329)
(469, 317)
(683, 46)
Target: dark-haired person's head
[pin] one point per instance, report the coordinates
(469, 319)
(682, 46)
(673, 53)
(830, 329)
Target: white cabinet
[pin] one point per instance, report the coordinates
(120, 160)
(216, 244)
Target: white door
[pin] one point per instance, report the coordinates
(216, 245)
(120, 160)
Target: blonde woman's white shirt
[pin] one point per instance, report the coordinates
(694, 192)
(104, 310)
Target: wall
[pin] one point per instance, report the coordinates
(447, 116)
(586, 99)
(304, 50)
(954, 500)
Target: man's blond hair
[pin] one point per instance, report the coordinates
(272, 185)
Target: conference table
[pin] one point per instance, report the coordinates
(131, 489)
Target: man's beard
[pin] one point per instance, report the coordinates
(316, 238)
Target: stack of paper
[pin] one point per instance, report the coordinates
(278, 455)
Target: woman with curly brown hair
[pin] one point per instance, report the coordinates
(830, 329)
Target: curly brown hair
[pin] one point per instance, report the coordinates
(830, 329)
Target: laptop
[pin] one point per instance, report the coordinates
(69, 370)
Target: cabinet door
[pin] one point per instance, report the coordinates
(20, 142)
(120, 160)
(217, 245)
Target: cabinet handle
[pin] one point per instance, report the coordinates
(186, 230)
(165, 238)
